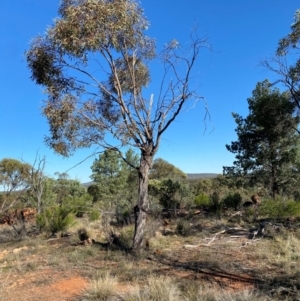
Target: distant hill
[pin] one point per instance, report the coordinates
(191, 176)
(87, 184)
(201, 175)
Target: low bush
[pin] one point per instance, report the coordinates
(279, 208)
(55, 219)
(94, 215)
(184, 228)
(125, 238)
(202, 199)
(233, 200)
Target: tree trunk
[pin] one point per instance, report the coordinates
(143, 203)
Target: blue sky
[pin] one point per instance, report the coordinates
(241, 34)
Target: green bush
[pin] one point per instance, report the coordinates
(123, 212)
(55, 219)
(279, 208)
(233, 200)
(78, 205)
(94, 215)
(202, 199)
(126, 236)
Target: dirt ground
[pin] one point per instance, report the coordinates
(60, 269)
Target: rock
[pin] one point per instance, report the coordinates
(18, 250)
(157, 234)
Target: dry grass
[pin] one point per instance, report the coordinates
(221, 268)
(101, 288)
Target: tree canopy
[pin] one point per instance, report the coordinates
(14, 179)
(162, 169)
(268, 144)
(286, 61)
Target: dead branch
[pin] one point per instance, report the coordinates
(227, 231)
(205, 245)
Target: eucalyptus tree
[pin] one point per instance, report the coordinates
(94, 62)
(14, 181)
(268, 144)
(162, 169)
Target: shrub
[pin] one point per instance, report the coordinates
(183, 228)
(55, 219)
(125, 238)
(279, 208)
(78, 205)
(123, 213)
(233, 200)
(202, 199)
(94, 215)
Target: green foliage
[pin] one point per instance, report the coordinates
(279, 208)
(123, 212)
(216, 203)
(111, 30)
(14, 173)
(201, 186)
(171, 194)
(79, 205)
(14, 181)
(94, 215)
(125, 238)
(114, 179)
(233, 200)
(94, 191)
(267, 148)
(162, 170)
(49, 195)
(202, 199)
(168, 192)
(66, 189)
(55, 219)
(287, 52)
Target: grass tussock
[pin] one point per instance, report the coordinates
(101, 288)
(156, 288)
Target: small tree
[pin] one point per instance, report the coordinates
(65, 188)
(14, 182)
(37, 180)
(94, 62)
(108, 177)
(113, 178)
